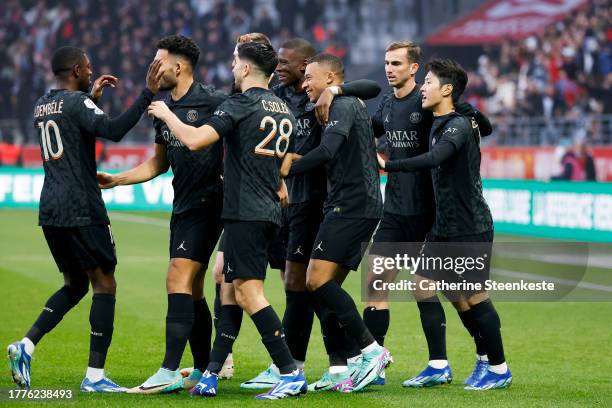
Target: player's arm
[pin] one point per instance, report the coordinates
(378, 126)
(483, 122)
(94, 121)
(145, 171)
(361, 88)
(335, 135)
(452, 139)
(192, 137)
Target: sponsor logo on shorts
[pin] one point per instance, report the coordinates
(182, 246)
(319, 247)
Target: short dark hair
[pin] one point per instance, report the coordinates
(261, 55)
(413, 51)
(181, 46)
(449, 72)
(333, 63)
(65, 58)
(303, 47)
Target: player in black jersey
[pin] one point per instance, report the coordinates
(257, 128)
(352, 210)
(71, 211)
(306, 195)
(409, 201)
(463, 224)
(196, 212)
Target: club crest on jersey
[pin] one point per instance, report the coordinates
(91, 105)
(192, 115)
(309, 106)
(415, 117)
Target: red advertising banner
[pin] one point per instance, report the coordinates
(500, 19)
(537, 163)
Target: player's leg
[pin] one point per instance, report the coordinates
(20, 353)
(485, 318)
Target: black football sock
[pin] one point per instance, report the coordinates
(377, 321)
(56, 307)
(467, 318)
(336, 298)
(489, 327)
(217, 305)
(433, 321)
(333, 337)
(101, 318)
(228, 327)
(351, 347)
(179, 322)
(271, 330)
(297, 322)
(201, 333)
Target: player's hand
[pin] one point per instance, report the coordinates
(159, 109)
(99, 84)
(322, 106)
(381, 161)
(106, 180)
(154, 75)
(283, 194)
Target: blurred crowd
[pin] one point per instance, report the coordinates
(120, 37)
(562, 76)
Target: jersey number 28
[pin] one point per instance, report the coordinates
(45, 137)
(285, 127)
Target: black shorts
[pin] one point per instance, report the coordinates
(194, 233)
(79, 249)
(277, 250)
(343, 240)
(245, 248)
(407, 232)
(304, 220)
(478, 247)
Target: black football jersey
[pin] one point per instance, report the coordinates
(460, 205)
(353, 178)
(67, 123)
(405, 126)
(197, 174)
(307, 135)
(257, 129)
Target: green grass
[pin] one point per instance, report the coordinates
(559, 353)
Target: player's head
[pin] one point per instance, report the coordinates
(179, 56)
(402, 60)
(322, 71)
(255, 61)
(258, 38)
(445, 80)
(71, 65)
(293, 56)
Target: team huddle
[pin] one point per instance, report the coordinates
(283, 172)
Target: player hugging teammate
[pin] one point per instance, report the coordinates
(256, 138)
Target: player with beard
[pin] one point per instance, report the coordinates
(463, 229)
(195, 225)
(307, 193)
(409, 210)
(71, 211)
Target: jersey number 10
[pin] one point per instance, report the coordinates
(285, 127)
(45, 137)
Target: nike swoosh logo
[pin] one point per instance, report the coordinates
(318, 388)
(142, 387)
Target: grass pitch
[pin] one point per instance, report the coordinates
(559, 353)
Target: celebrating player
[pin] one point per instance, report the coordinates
(462, 216)
(352, 210)
(196, 212)
(72, 214)
(257, 129)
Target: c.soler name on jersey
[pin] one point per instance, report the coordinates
(272, 106)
